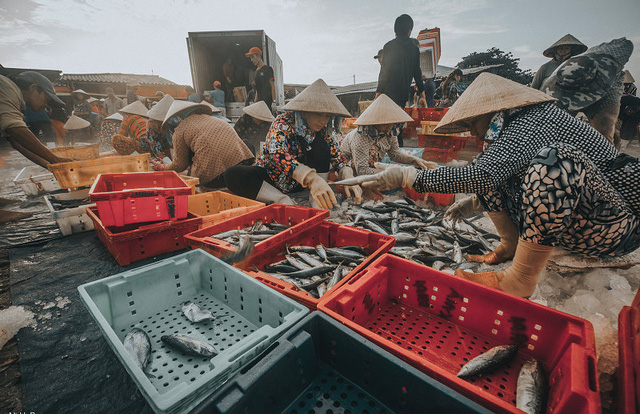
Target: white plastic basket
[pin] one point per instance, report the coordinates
(71, 220)
(35, 180)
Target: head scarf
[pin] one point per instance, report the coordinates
(374, 134)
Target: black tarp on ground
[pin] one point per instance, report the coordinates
(66, 364)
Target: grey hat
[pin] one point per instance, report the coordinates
(586, 78)
(567, 40)
(42, 82)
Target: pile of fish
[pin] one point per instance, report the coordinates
(316, 269)
(258, 232)
(422, 235)
(531, 388)
(138, 344)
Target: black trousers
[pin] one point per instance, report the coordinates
(219, 181)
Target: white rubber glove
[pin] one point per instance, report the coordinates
(343, 174)
(463, 208)
(318, 187)
(391, 176)
(422, 164)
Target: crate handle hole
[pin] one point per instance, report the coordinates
(591, 369)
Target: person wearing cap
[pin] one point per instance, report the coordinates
(254, 125)
(546, 179)
(377, 135)
(133, 130)
(192, 94)
(217, 96)
(264, 79)
(378, 57)
(204, 144)
(566, 47)
(112, 103)
(298, 153)
(77, 128)
(158, 139)
(33, 90)
(109, 127)
(591, 83)
(401, 65)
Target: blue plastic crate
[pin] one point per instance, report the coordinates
(321, 366)
(150, 298)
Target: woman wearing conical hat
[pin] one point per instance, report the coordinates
(566, 47)
(76, 129)
(546, 179)
(298, 153)
(158, 142)
(254, 124)
(109, 127)
(204, 144)
(81, 105)
(377, 135)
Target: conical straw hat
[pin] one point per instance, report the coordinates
(627, 77)
(179, 106)
(116, 116)
(160, 109)
(259, 110)
(567, 40)
(75, 122)
(383, 111)
(319, 98)
(214, 109)
(487, 94)
(92, 99)
(80, 91)
(136, 108)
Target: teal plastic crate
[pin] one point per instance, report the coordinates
(150, 298)
(320, 366)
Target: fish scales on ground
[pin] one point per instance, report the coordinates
(531, 388)
(189, 345)
(138, 346)
(487, 361)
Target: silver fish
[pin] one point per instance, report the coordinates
(138, 346)
(404, 238)
(495, 357)
(322, 289)
(310, 272)
(321, 252)
(244, 250)
(189, 345)
(394, 226)
(356, 180)
(309, 259)
(374, 227)
(531, 391)
(195, 313)
(298, 264)
(457, 253)
(335, 278)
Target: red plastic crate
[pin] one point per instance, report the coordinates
(439, 154)
(437, 322)
(413, 113)
(328, 234)
(299, 218)
(413, 194)
(129, 198)
(440, 199)
(442, 141)
(135, 242)
(409, 132)
(629, 357)
(431, 114)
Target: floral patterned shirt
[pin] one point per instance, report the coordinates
(285, 148)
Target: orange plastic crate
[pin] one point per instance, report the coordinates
(217, 206)
(437, 322)
(83, 173)
(78, 152)
(413, 194)
(442, 200)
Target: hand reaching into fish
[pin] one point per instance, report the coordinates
(355, 190)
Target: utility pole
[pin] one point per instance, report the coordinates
(354, 78)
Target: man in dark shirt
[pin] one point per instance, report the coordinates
(401, 65)
(264, 80)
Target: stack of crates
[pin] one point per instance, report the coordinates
(139, 215)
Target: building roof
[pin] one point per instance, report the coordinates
(52, 74)
(116, 78)
(360, 87)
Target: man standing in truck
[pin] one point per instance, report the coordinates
(264, 80)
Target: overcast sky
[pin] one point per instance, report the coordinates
(327, 39)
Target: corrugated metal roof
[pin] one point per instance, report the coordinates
(360, 87)
(116, 78)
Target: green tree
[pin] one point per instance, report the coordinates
(495, 56)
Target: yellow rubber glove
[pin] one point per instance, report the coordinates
(318, 187)
(343, 174)
(391, 176)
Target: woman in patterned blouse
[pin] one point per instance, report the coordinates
(546, 179)
(297, 153)
(254, 124)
